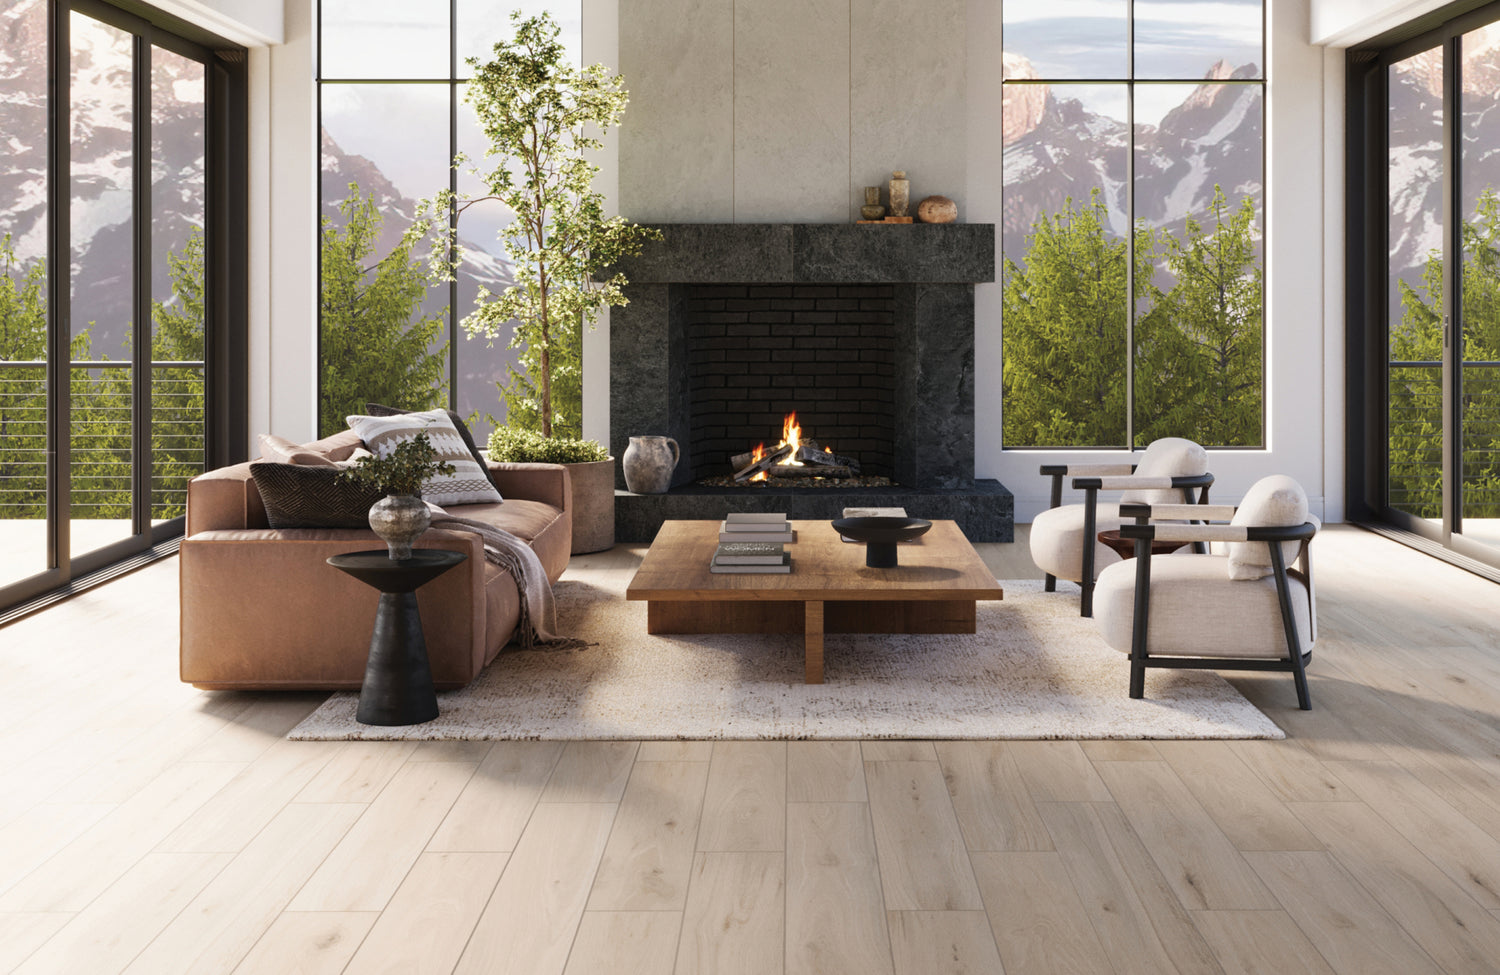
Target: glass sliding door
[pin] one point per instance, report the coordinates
(1478, 200)
(1431, 294)
(119, 270)
(102, 330)
(1414, 299)
(24, 212)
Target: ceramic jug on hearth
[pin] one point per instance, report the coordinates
(649, 463)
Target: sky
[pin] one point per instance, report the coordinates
(1174, 39)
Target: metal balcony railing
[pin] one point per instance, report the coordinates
(102, 442)
(1415, 390)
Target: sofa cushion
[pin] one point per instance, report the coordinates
(375, 409)
(336, 447)
(1197, 612)
(280, 450)
(312, 497)
(468, 484)
(1167, 457)
(1272, 501)
(1057, 539)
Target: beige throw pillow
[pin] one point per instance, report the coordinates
(468, 484)
(280, 450)
(1167, 457)
(1274, 501)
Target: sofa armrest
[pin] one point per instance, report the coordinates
(547, 483)
(225, 499)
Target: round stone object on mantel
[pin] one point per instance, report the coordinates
(937, 209)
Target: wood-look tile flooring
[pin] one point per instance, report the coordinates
(151, 828)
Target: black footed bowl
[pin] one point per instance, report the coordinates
(880, 536)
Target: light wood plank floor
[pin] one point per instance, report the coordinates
(149, 827)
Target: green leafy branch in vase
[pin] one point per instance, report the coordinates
(403, 472)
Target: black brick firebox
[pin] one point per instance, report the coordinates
(866, 330)
(758, 352)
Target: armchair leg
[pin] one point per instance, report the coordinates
(1090, 540)
(1140, 621)
(1289, 624)
(1051, 584)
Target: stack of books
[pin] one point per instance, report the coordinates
(754, 543)
(743, 526)
(737, 557)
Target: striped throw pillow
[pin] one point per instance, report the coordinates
(468, 484)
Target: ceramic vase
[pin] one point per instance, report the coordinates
(900, 193)
(399, 519)
(648, 464)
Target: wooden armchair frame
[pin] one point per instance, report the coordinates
(1144, 533)
(1093, 478)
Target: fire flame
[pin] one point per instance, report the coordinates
(791, 433)
(760, 452)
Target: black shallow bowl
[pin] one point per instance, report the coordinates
(880, 536)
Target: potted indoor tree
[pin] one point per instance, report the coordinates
(542, 115)
(401, 516)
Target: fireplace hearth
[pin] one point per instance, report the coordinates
(866, 332)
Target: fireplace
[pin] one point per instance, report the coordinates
(866, 331)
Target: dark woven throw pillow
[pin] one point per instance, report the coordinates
(312, 497)
(375, 409)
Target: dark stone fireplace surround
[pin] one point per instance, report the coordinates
(930, 272)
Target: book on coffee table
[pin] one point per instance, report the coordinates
(740, 523)
(750, 553)
(784, 566)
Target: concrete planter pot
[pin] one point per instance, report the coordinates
(593, 505)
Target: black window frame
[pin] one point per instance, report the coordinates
(226, 276)
(1366, 293)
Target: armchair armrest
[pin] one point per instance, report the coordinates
(1178, 512)
(1087, 470)
(1220, 533)
(548, 483)
(1138, 482)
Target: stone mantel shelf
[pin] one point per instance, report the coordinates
(816, 253)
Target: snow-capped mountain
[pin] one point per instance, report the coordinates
(1056, 148)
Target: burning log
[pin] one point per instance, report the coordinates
(810, 453)
(767, 460)
(811, 470)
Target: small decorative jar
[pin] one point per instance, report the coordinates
(872, 210)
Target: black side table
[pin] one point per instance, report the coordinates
(398, 677)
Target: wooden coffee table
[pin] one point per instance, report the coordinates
(829, 590)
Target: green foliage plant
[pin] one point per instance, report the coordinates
(412, 462)
(1197, 344)
(521, 446)
(542, 116)
(376, 345)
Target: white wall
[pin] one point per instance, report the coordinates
(247, 22)
(766, 112)
(731, 162)
(1341, 23)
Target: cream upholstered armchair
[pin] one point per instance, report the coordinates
(1245, 608)
(1064, 538)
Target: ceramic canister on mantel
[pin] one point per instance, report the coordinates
(648, 464)
(900, 193)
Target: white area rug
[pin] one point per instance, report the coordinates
(1034, 670)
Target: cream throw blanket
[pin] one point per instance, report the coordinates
(538, 626)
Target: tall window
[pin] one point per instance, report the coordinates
(391, 82)
(120, 336)
(1133, 227)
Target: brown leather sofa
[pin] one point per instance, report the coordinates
(261, 609)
